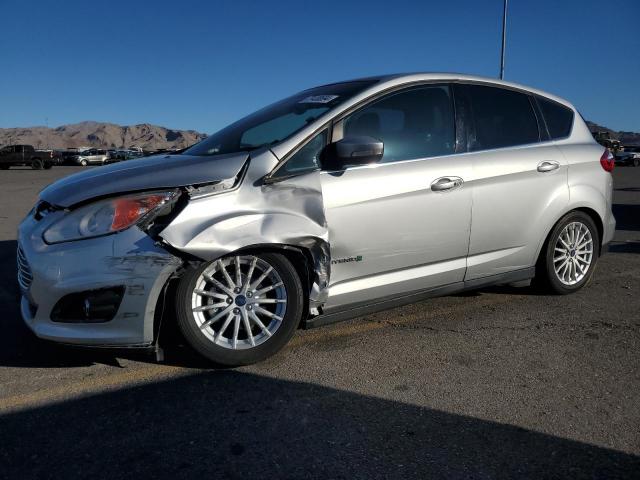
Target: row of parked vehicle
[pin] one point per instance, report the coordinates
(97, 156)
(624, 154)
(628, 155)
(27, 155)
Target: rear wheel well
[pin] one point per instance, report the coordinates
(589, 211)
(597, 220)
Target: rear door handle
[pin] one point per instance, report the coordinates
(548, 166)
(446, 183)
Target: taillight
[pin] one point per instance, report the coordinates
(607, 160)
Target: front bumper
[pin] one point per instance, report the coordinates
(129, 259)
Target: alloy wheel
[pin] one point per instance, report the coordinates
(573, 253)
(239, 302)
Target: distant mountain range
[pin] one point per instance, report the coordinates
(152, 137)
(101, 135)
(626, 138)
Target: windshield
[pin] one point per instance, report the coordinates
(278, 121)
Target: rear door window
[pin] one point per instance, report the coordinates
(502, 118)
(559, 118)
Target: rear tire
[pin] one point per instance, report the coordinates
(37, 164)
(569, 258)
(226, 302)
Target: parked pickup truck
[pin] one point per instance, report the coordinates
(13, 155)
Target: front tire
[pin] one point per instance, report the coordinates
(36, 164)
(84, 163)
(240, 309)
(636, 162)
(568, 261)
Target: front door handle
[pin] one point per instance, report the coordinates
(446, 183)
(548, 166)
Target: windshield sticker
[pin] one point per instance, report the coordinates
(318, 99)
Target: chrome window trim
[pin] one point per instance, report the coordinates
(457, 154)
(336, 121)
(386, 85)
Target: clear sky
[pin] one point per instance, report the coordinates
(202, 64)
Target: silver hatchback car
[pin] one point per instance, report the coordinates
(337, 201)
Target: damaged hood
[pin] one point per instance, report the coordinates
(157, 172)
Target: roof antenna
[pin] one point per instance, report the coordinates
(504, 38)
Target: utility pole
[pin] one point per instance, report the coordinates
(504, 38)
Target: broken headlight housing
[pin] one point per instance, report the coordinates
(108, 216)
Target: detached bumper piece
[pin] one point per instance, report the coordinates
(92, 306)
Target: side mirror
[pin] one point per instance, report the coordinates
(353, 150)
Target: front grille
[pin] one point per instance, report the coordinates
(24, 271)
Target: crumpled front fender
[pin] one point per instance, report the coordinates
(287, 213)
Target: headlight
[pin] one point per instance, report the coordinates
(107, 216)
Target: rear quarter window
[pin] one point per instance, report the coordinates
(559, 118)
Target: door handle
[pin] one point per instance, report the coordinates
(446, 183)
(548, 166)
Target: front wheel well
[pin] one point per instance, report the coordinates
(301, 260)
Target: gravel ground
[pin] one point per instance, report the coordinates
(500, 383)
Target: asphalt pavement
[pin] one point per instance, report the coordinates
(499, 383)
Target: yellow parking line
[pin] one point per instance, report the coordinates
(88, 386)
(354, 328)
(156, 372)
